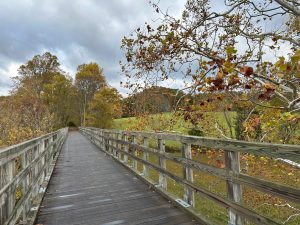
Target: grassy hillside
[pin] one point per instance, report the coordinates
(169, 122)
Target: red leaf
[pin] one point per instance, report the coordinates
(220, 164)
(246, 70)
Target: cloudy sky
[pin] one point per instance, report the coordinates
(77, 31)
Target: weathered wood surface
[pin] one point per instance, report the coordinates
(231, 173)
(23, 169)
(89, 187)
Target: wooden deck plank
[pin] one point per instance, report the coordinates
(88, 187)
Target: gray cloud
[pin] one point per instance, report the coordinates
(76, 31)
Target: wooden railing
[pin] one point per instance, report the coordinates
(25, 170)
(123, 145)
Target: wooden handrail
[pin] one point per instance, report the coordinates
(118, 143)
(23, 169)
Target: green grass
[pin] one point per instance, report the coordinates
(168, 122)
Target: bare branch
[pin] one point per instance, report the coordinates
(294, 102)
(266, 106)
(221, 132)
(288, 6)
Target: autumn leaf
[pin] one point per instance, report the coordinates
(220, 75)
(211, 63)
(246, 70)
(230, 50)
(197, 83)
(248, 86)
(220, 164)
(269, 87)
(256, 121)
(233, 79)
(296, 57)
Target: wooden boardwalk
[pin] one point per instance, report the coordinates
(88, 187)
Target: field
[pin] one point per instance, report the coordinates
(272, 207)
(168, 122)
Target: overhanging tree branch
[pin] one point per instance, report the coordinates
(289, 6)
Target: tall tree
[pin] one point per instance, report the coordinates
(104, 107)
(151, 100)
(60, 97)
(38, 71)
(223, 51)
(89, 79)
(29, 88)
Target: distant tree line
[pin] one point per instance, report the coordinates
(151, 100)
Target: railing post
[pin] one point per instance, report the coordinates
(234, 190)
(46, 158)
(99, 139)
(118, 146)
(103, 141)
(188, 195)
(25, 183)
(134, 162)
(4, 179)
(102, 146)
(162, 164)
(10, 172)
(30, 158)
(36, 152)
(106, 141)
(146, 157)
(96, 136)
(42, 160)
(113, 144)
(110, 143)
(125, 138)
(49, 155)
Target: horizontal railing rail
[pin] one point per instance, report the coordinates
(123, 145)
(23, 169)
